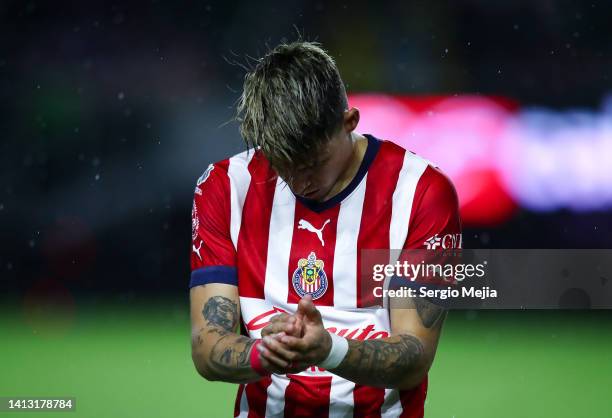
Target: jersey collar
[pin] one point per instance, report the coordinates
(370, 154)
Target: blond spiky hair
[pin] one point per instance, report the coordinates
(292, 103)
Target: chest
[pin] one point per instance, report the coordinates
(287, 250)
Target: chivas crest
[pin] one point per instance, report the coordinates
(310, 278)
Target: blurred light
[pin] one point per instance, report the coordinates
(499, 156)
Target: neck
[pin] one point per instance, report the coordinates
(359, 144)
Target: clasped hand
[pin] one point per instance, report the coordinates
(293, 342)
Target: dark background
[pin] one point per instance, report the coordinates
(111, 110)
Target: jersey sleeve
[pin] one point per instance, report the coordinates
(434, 226)
(435, 223)
(213, 256)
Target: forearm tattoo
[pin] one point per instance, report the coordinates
(384, 363)
(229, 356)
(388, 363)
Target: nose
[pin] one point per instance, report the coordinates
(300, 184)
(302, 187)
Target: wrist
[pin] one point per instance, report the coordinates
(255, 360)
(337, 352)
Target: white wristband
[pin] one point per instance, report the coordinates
(337, 353)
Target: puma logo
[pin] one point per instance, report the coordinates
(304, 224)
(197, 250)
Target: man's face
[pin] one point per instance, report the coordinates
(319, 173)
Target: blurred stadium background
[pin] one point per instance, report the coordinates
(111, 110)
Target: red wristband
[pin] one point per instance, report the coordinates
(256, 361)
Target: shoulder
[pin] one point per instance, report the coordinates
(436, 186)
(415, 169)
(420, 181)
(221, 168)
(436, 205)
(431, 179)
(237, 169)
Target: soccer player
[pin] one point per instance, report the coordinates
(277, 239)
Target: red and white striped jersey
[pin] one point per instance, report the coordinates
(250, 230)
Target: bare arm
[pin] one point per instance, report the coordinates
(218, 352)
(401, 360)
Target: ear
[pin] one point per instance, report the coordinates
(351, 119)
